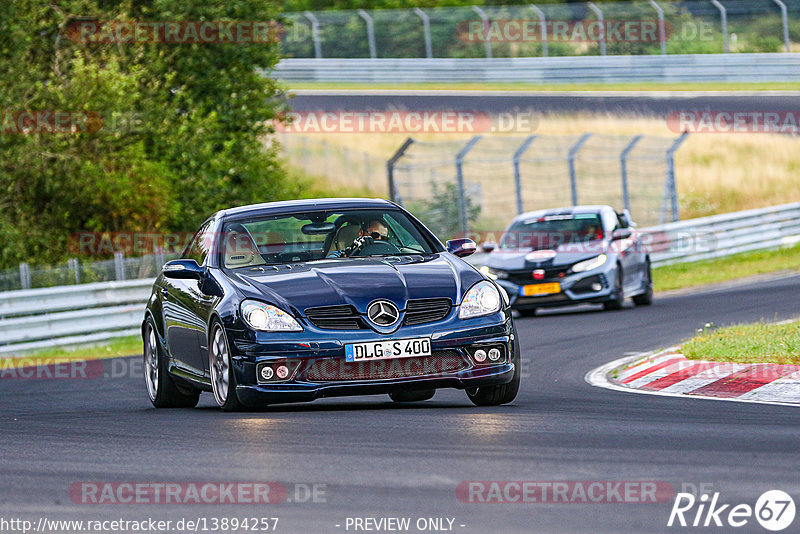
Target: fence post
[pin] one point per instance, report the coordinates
(723, 15)
(462, 198)
(72, 264)
(426, 28)
(573, 181)
(25, 275)
(159, 258)
(662, 32)
(119, 265)
(599, 13)
(671, 182)
(393, 196)
(623, 165)
(517, 177)
(370, 32)
(314, 33)
(543, 22)
(485, 18)
(785, 20)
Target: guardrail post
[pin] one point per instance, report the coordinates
(662, 32)
(623, 165)
(426, 28)
(723, 15)
(370, 32)
(543, 22)
(671, 184)
(599, 13)
(485, 18)
(393, 196)
(314, 33)
(517, 176)
(119, 265)
(72, 264)
(573, 180)
(785, 20)
(25, 275)
(462, 197)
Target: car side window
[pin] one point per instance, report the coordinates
(200, 246)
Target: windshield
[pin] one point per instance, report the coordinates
(550, 231)
(317, 235)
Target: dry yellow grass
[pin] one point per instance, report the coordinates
(716, 173)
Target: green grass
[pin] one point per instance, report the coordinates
(750, 343)
(124, 346)
(700, 273)
(509, 86)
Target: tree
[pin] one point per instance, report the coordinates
(174, 131)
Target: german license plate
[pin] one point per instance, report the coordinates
(385, 350)
(532, 290)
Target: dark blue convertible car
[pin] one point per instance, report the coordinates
(293, 301)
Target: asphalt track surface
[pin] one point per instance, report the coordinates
(638, 103)
(380, 459)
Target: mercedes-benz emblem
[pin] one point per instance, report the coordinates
(383, 313)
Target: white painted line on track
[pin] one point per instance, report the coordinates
(587, 94)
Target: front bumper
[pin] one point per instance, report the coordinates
(318, 369)
(575, 289)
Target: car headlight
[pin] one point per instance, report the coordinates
(588, 265)
(494, 274)
(266, 318)
(481, 299)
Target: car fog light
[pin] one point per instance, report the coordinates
(480, 355)
(494, 354)
(266, 372)
(597, 286)
(282, 371)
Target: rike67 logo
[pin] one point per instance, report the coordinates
(774, 510)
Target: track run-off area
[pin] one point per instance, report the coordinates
(369, 458)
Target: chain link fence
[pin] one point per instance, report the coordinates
(456, 186)
(76, 271)
(574, 29)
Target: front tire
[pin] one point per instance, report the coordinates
(412, 396)
(646, 298)
(618, 298)
(161, 388)
(223, 379)
(502, 394)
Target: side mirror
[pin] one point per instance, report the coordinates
(183, 269)
(461, 247)
(488, 246)
(621, 233)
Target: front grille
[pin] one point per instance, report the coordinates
(419, 311)
(526, 277)
(342, 317)
(337, 370)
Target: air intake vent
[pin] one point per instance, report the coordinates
(419, 311)
(335, 317)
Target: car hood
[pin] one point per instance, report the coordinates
(357, 281)
(564, 256)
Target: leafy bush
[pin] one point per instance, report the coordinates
(191, 141)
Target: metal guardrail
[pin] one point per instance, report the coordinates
(723, 235)
(66, 315)
(766, 67)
